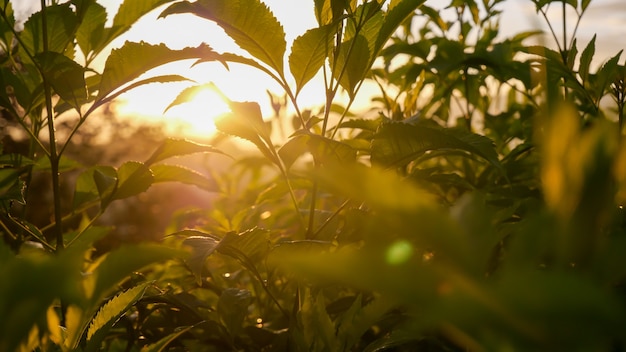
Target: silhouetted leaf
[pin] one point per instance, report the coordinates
(66, 77)
(173, 147)
(91, 29)
(585, 59)
(249, 23)
(133, 59)
(61, 23)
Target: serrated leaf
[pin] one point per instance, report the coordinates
(173, 147)
(61, 23)
(308, 53)
(133, 178)
(66, 77)
(353, 62)
(397, 143)
(250, 23)
(91, 29)
(585, 59)
(174, 173)
(133, 59)
(110, 313)
(128, 13)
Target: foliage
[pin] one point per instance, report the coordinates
(480, 210)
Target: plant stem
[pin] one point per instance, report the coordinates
(54, 157)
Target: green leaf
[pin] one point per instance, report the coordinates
(232, 308)
(585, 59)
(173, 147)
(66, 77)
(189, 93)
(398, 143)
(12, 188)
(174, 173)
(353, 62)
(250, 23)
(118, 264)
(397, 13)
(160, 345)
(128, 13)
(91, 29)
(61, 23)
(327, 151)
(110, 313)
(106, 184)
(245, 121)
(86, 190)
(308, 53)
(379, 189)
(202, 245)
(293, 149)
(133, 178)
(133, 59)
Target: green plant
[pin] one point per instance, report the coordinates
(480, 210)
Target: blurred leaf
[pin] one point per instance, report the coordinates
(232, 308)
(161, 345)
(118, 264)
(397, 13)
(250, 23)
(12, 188)
(174, 173)
(327, 151)
(380, 189)
(295, 147)
(585, 59)
(308, 54)
(202, 245)
(105, 184)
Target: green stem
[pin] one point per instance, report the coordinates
(54, 157)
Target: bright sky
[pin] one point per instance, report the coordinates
(605, 17)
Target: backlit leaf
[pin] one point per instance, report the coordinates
(109, 314)
(66, 77)
(250, 23)
(396, 14)
(308, 53)
(174, 173)
(352, 63)
(133, 178)
(585, 59)
(90, 31)
(133, 59)
(173, 147)
(61, 23)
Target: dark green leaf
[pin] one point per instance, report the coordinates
(232, 308)
(586, 58)
(61, 23)
(396, 144)
(66, 77)
(86, 190)
(397, 13)
(90, 31)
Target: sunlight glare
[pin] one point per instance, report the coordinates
(197, 116)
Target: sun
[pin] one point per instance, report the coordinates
(195, 112)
